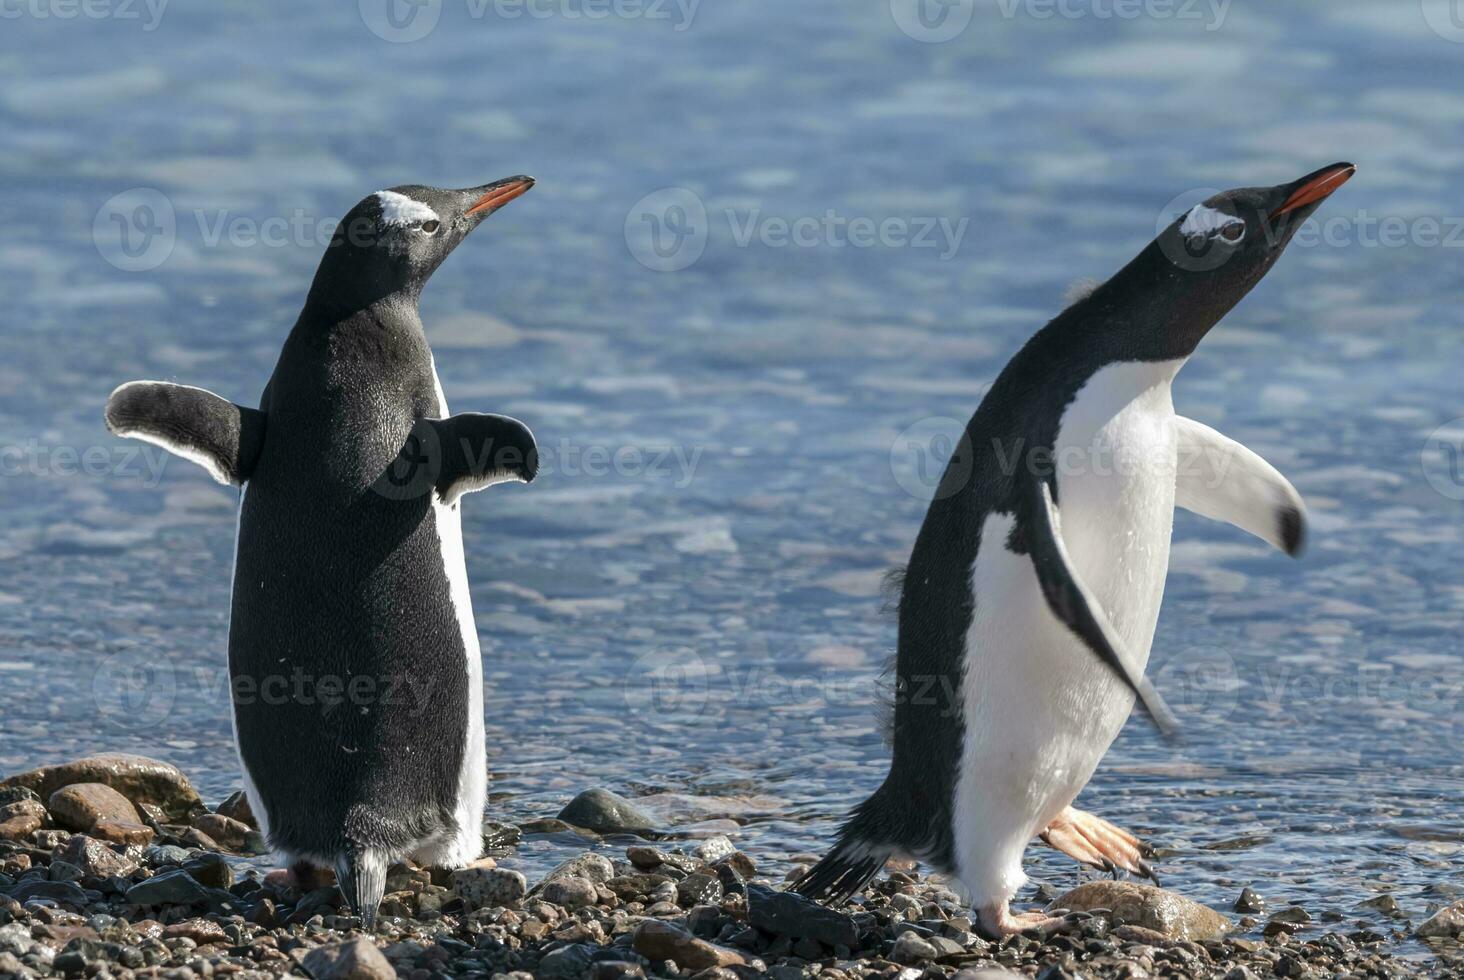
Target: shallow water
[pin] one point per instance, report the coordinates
(703, 619)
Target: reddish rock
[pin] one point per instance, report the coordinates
(357, 959)
(201, 931)
(122, 832)
(21, 815)
(228, 833)
(20, 827)
(94, 858)
(79, 806)
(193, 837)
(236, 807)
(659, 941)
(140, 779)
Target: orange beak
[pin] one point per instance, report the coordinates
(501, 193)
(1316, 187)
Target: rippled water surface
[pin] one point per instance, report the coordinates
(687, 602)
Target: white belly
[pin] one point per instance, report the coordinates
(1040, 708)
(465, 844)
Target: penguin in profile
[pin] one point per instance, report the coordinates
(353, 656)
(1029, 604)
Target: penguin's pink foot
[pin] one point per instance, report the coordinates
(1096, 842)
(998, 920)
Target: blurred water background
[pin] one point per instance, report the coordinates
(744, 393)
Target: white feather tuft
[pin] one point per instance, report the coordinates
(398, 209)
(1205, 221)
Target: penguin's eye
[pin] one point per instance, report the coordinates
(430, 227)
(1233, 232)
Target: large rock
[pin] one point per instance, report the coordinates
(236, 807)
(121, 832)
(21, 813)
(590, 866)
(605, 813)
(62, 892)
(357, 959)
(1165, 912)
(790, 914)
(657, 941)
(140, 779)
(489, 887)
(1446, 923)
(174, 887)
(230, 834)
(570, 892)
(95, 859)
(80, 805)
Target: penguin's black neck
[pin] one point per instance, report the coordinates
(1150, 310)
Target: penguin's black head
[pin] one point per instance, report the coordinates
(392, 241)
(1208, 258)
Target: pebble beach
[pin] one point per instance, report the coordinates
(113, 866)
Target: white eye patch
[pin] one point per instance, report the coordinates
(398, 209)
(1205, 221)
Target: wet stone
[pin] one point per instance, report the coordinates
(138, 778)
(232, 835)
(698, 889)
(644, 857)
(714, 849)
(1446, 923)
(1249, 901)
(790, 914)
(606, 813)
(79, 806)
(93, 859)
(659, 941)
(357, 959)
(489, 887)
(571, 892)
(1165, 912)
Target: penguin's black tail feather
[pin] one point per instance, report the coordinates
(362, 878)
(861, 852)
(843, 872)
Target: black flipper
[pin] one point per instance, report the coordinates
(362, 879)
(478, 451)
(1071, 602)
(198, 425)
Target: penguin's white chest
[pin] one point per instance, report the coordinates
(1040, 709)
